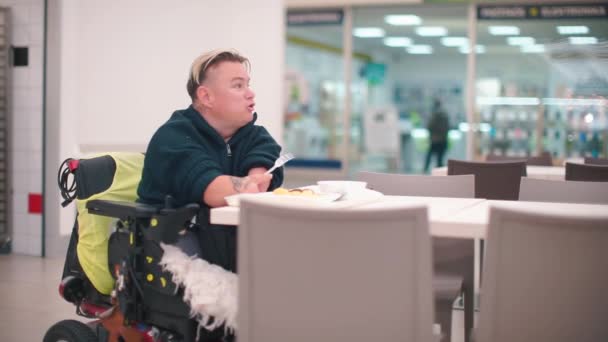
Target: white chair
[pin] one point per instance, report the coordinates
(545, 277)
(462, 186)
(453, 259)
(313, 274)
(542, 190)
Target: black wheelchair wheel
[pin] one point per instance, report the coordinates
(70, 330)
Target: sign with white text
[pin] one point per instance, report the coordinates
(554, 11)
(319, 17)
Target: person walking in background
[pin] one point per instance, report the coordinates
(438, 127)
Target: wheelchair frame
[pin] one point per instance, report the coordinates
(144, 225)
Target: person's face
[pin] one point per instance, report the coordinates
(229, 95)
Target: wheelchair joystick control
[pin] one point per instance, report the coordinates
(169, 202)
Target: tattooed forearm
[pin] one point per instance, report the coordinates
(239, 183)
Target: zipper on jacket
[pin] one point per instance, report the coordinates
(228, 150)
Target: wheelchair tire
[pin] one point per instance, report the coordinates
(70, 330)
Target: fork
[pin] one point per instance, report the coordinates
(281, 161)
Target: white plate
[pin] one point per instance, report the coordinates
(320, 198)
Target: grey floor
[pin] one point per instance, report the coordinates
(30, 301)
(29, 297)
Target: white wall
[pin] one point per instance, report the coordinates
(25, 103)
(118, 69)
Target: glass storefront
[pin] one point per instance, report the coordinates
(314, 87)
(415, 63)
(539, 83)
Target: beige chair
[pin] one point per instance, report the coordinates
(453, 259)
(586, 172)
(493, 180)
(308, 274)
(542, 190)
(545, 278)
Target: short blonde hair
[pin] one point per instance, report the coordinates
(202, 63)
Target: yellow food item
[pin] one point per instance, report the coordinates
(294, 192)
(280, 191)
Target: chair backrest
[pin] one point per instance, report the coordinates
(544, 159)
(545, 277)
(318, 274)
(493, 180)
(543, 190)
(501, 158)
(586, 172)
(596, 161)
(417, 185)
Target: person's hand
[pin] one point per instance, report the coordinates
(262, 185)
(252, 183)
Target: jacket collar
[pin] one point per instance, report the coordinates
(205, 128)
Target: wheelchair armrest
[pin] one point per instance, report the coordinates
(120, 209)
(169, 222)
(165, 223)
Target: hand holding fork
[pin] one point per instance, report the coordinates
(280, 161)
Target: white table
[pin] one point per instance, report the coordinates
(465, 218)
(539, 172)
(473, 221)
(438, 208)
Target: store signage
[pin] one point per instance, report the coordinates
(324, 17)
(555, 11)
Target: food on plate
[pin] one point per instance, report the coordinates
(294, 192)
(280, 191)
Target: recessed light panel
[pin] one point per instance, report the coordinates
(572, 29)
(403, 19)
(504, 30)
(368, 32)
(533, 48)
(420, 49)
(582, 40)
(431, 31)
(520, 41)
(397, 41)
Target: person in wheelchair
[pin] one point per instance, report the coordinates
(211, 150)
(203, 153)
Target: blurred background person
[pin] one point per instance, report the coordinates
(438, 127)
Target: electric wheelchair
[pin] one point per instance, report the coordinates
(138, 301)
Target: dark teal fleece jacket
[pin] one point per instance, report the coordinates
(186, 154)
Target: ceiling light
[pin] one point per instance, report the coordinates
(431, 31)
(503, 30)
(582, 40)
(397, 41)
(520, 41)
(454, 41)
(368, 32)
(533, 48)
(420, 49)
(572, 29)
(403, 19)
(478, 49)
